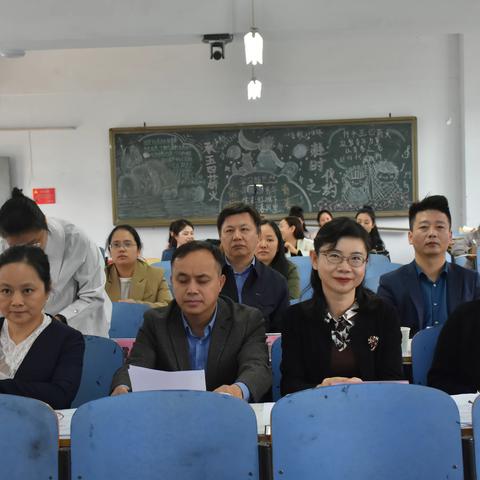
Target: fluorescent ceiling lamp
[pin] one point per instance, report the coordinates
(253, 47)
(254, 89)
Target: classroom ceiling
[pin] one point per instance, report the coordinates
(60, 24)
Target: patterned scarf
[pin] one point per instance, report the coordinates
(341, 327)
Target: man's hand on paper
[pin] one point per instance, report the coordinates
(120, 390)
(335, 380)
(233, 390)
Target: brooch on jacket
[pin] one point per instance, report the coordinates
(372, 342)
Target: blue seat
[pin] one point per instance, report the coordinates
(373, 274)
(476, 434)
(102, 358)
(28, 438)
(304, 267)
(276, 373)
(423, 349)
(182, 435)
(366, 432)
(167, 269)
(127, 318)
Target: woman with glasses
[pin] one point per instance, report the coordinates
(78, 295)
(130, 279)
(344, 334)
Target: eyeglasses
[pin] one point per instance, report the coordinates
(126, 244)
(355, 260)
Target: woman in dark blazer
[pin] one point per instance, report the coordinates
(40, 357)
(456, 363)
(344, 334)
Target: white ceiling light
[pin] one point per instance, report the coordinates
(253, 43)
(254, 88)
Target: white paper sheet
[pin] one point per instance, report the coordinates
(64, 421)
(144, 379)
(464, 403)
(263, 413)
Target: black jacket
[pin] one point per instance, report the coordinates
(307, 342)
(456, 363)
(265, 289)
(52, 369)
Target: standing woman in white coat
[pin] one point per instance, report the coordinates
(78, 295)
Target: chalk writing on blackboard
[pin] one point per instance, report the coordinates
(165, 173)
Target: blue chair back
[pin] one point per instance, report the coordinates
(373, 274)
(167, 269)
(304, 267)
(102, 358)
(127, 318)
(276, 373)
(366, 432)
(183, 435)
(476, 434)
(423, 349)
(28, 438)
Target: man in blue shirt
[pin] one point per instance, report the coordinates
(427, 290)
(202, 331)
(249, 281)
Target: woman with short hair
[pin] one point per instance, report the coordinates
(344, 334)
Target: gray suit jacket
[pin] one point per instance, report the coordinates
(237, 353)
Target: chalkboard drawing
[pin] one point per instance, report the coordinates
(299, 151)
(384, 179)
(269, 193)
(355, 189)
(267, 159)
(245, 165)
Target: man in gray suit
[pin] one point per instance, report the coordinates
(201, 330)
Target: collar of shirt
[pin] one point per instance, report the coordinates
(421, 274)
(241, 277)
(198, 346)
(341, 326)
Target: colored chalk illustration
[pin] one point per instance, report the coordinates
(162, 174)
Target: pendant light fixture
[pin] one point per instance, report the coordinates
(253, 43)
(254, 88)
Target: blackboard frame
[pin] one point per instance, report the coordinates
(210, 220)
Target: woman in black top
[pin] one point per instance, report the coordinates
(366, 218)
(344, 334)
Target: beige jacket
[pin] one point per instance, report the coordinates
(148, 285)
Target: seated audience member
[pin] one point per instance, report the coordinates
(247, 280)
(428, 289)
(201, 330)
(40, 357)
(468, 246)
(324, 216)
(179, 232)
(455, 368)
(366, 218)
(296, 211)
(130, 279)
(295, 242)
(78, 295)
(344, 333)
(270, 251)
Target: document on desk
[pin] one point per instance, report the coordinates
(145, 379)
(464, 403)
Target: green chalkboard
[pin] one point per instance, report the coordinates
(163, 173)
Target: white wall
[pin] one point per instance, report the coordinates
(351, 77)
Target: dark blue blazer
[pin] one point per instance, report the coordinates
(52, 369)
(402, 289)
(265, 289)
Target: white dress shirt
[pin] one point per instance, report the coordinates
(78, 279)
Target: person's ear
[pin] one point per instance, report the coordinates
(314, 259)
